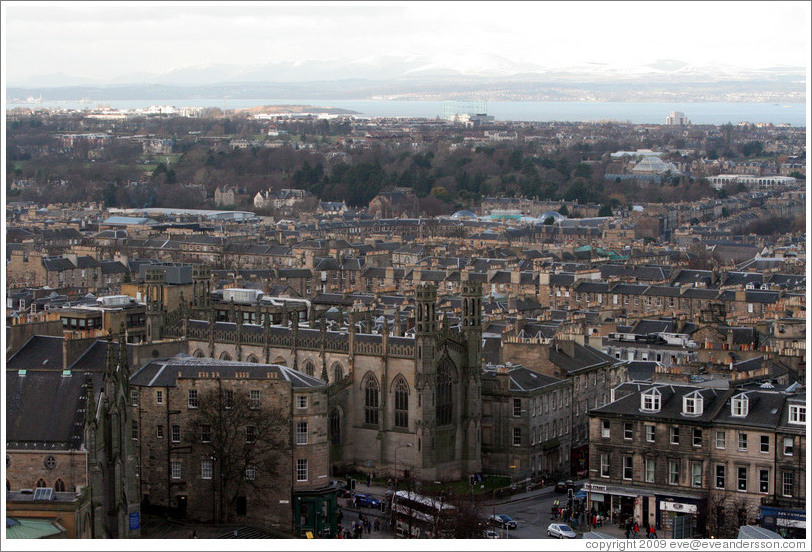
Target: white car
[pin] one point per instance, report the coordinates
(561, 531)
(490, 534)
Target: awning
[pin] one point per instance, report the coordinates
(617, 491)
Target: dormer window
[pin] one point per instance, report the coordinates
(797, 414)
(740, 406)
(692, 404)
(651, 400)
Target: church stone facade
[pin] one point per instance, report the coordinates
(395, 402)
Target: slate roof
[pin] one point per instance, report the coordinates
(166, 372)
(524, 379)
(584, 357)
(628, 403)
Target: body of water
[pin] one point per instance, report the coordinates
(710, 113)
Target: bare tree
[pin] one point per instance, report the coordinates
(244, 441)
(726, 513)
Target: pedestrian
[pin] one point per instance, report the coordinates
(652, 533)
(368, 526)
(377, 524)
(339, 516)
(628, 528)
(369, 479)
(635, 529)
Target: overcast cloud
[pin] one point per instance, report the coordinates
(108, 40)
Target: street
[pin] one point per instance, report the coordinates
(531, 515)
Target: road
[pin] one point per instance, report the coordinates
(531, 515)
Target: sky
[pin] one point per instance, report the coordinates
(107, 40)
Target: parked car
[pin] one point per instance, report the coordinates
(366, 501)
(503, 521)
(560, 531)
(561, 487)
(490, 534)
(344, 493)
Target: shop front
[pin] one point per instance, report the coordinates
(315, 512)
(678, 516)
(790, 524)
(618, 504)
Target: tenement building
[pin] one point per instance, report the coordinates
(227, 440)
(695, 460)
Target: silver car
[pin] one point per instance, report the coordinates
(560, 531)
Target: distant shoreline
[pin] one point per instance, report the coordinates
(274, 109)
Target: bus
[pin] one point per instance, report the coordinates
(420, 517)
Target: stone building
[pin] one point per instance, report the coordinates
(386, 392)
(189, 411)
(526, 419)
(696, 460)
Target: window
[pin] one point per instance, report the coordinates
(175, 470)
(692, 404)
(673, 472)
(764, 481)
(250, 473)
(789, 446)
(765, 443)
(788, 484)
(335, 427)
(59, 486)
(205, 469)
(301, 433)
(517, 407)
(797, 414)
(650, 433)
(159, 397)
(250, 434)
(605, 425)
(135, 430)
(301, 469)
(134, 396)
(444, 396)
(697, 437)
(228, 398)
(159, 431)
(742, 441)
(371, 401)
(401, 403)
(627, 467)
(739, 406)
(650, 401)
(741, 481)
(517, 437)
(720, 439)
(175, 433)
(674, 436)
(301, 401)
(696, 474)
(255, 395)
(191, 399)
(205, 433)
(604, 465)
(649, 470)
(627, 431)
(720, 477)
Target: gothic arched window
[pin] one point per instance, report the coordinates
(309, 368)
(401, 402)
(253, 358)
(444, 404)
(59, 486)
(41, 483)
(225, 356)
(335, 427)
(371, 400)
(338, 373)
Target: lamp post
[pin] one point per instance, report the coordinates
(408, 445)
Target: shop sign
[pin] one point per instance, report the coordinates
(678, 507)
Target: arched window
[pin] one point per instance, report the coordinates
(371, 391)
(252, 358)
(335, 427)
(59, 486)
(444, 405)
(309, 369)
(401, 402)
(41, 483)
(338, 373)
(199, 354)
(225, 356)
